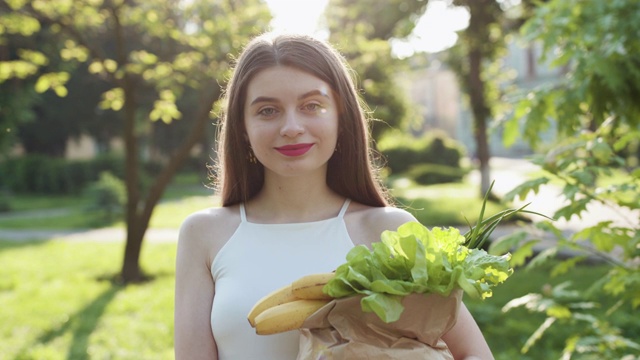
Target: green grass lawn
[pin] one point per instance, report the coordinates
(30, 202)
(58, 302)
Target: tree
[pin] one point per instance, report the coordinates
(56, 118)
(476, 48)
(17, 96)
(361, 29)
(476, 61)
(595, 112)
(367, 26)
(43, 122)
(190, 41)
(15, 108)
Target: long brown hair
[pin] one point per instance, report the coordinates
(351, 171)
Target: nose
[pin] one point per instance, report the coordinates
(292, 125)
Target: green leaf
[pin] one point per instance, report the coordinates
(16, 69)
(521, 191)
(144, 57)
(387, 307)
(43, 84)
(574, 208)
(96, 67)
(61, 90)
(53, 81)
(35, 57)
(542, 257)
(16, 4)
(504, 244)
(392, 287)
(559, 311)
(113, 99)
(17, 22)
(564, 266)
(520, 256)
(110, 65)
(511, 131)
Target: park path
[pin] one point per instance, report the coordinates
(510, 173)
(507, 172)
(104, 234)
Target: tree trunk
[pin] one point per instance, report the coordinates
(139, 223)
(131, 271)
(480, 116)
(478, 28)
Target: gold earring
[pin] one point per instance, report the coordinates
(251, 157)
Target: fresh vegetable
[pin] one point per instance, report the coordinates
(414, 259)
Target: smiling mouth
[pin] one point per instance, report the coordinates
(294, 150)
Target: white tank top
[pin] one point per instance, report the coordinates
(260, 258)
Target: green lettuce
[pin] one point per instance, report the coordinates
(415, 259)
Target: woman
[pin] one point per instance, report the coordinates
(298, 190)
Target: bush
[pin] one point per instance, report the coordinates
(432, 158)
(108, 195)
(5, 204)
(40, 174)
(429, 174)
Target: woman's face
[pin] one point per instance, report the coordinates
(291, 119)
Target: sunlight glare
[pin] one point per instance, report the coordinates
(434, 32)
(298, 16)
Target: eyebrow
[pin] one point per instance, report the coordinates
(308, 94)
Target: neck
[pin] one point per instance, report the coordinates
(294, 199)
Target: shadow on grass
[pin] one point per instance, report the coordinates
(81, 325)
(145, 277)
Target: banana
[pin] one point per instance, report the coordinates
(274, 298)
(309, 287)
(286, 316)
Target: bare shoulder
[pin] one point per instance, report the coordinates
(206, 231)
(215, 216)
(366, 223)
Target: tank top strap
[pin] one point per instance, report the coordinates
(243, 214)
(344, 208)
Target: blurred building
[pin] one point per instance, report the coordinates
(435, 94)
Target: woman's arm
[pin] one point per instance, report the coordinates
(194, 291)
(465, 340)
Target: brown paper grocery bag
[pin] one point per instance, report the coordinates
(341, 330)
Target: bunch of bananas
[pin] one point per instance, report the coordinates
(288, 307)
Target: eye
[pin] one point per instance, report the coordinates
(312, 107)
(267, 112)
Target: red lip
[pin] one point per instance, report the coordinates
(294, 149)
